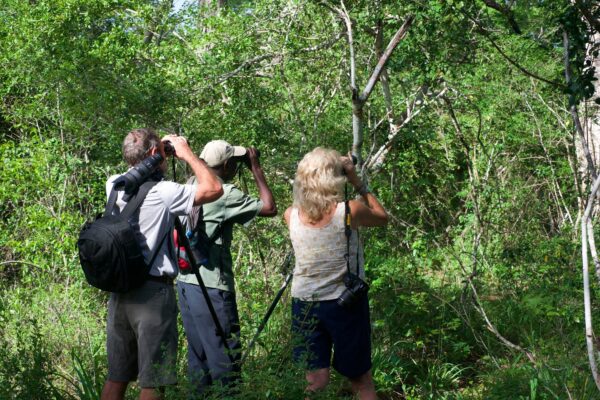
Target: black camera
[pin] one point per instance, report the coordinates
(133, 179)
(356, 288)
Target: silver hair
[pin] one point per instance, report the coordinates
(137, 143)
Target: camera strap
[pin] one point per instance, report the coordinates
(348, 233)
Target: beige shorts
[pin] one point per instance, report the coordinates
(141, 337)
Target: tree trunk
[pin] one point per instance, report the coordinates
(588, 154)
(359, 100)
(591, 120)
(161, 13)
(210, 3)
(211, 7)
(586, 146)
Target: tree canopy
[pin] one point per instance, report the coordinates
(479, 134)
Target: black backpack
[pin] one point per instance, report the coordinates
(109, 254)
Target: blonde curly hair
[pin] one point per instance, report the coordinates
(319, 182)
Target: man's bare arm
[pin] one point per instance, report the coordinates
(269, 208)
(208, 187)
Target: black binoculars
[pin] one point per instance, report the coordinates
(245, 156)
(169, 149)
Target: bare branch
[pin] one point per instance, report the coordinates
(325, 45)
(398, 36)
(278, 56)
(485, 34)
(593, 251)
(243, 65)
(346, 18)
(385, 82)
(493, 329)
(358, 100)
(559, 198)
(507, 13)
(374, 164)
(12, 262)
(520, 68)
(587, 14)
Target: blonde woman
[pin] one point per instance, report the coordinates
(317, 231)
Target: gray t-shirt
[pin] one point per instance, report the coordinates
(155, 218)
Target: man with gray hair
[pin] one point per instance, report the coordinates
(142, 323)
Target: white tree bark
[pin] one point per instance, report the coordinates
(359, 98)
(585, 156)
(212, 3)
(586, 227)
(588, 154)
(591, 118)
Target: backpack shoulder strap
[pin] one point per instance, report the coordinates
(157, 249)
(199, 216)
(135, 202)
(110, 204)
(194, 217)
(216, 234)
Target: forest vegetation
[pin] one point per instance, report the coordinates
(479, 134)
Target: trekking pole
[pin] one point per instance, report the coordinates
(196, 270)
(263, 323)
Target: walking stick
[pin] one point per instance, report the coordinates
(263, 323)
(183, 239)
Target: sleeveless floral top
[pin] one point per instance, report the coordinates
(320, 264)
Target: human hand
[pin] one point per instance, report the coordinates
(252, 156)
(180, 146)
(350, 170)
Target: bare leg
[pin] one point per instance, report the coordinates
(317, 379)
(364, 386)
(114, 390)
(151, 394)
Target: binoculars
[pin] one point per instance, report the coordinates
(245, 156)
(169, 149)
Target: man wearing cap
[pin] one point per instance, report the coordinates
(208, 361)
